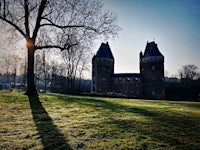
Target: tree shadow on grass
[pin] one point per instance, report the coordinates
(112, 106)
(48, 131)
(161, 125)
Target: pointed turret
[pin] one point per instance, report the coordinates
(104, 52)
(152, 50)
(102, 69)
(152, 71)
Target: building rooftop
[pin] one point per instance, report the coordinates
(104, 52)
(152, 50)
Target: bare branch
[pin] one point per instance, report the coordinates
(66, 26)
(26, 9)
(14, 25)
(39, 17)
(62, 48)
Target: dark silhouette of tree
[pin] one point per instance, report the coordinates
(189, 86)
(189, 72)
(58, 24)
(9, 62)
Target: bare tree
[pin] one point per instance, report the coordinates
(23, 71)
(72, 58)
(9, 63)
(59, 24)
(83, 67)
(6, 61)
(57, 77)
(38, 69)
(41, 69)
(189, 72)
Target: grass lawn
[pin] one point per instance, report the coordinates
(56, 121)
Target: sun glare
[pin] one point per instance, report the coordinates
(22, 43)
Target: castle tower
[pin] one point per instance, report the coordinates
(152, 71)
(102, 70)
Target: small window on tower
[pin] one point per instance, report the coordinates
(153, 67)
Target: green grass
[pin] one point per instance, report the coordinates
(56, 121)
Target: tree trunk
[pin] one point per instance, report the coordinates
(79, 85)
(15, 74)
(45, 73)
(31, 88)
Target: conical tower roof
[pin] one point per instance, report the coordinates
(152, 50)
(104, 52)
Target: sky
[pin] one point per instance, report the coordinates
(173, 24)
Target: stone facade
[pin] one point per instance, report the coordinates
(149, 83)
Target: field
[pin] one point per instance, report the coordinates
(55, 121)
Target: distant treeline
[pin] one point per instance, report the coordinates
(187, 89)
(54, 83)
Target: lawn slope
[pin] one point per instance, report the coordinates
(56, 121)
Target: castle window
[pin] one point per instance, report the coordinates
(137, 79)
(153, 67)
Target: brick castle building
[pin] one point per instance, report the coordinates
(149, 83)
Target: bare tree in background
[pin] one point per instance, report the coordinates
(189, 72)
(9, 62)
(59, 24)
(41, 70)
(23, 71)
(74, 58)
(82, 67)
(38, 69)
(6, 62)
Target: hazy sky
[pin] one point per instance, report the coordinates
(173, 24)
